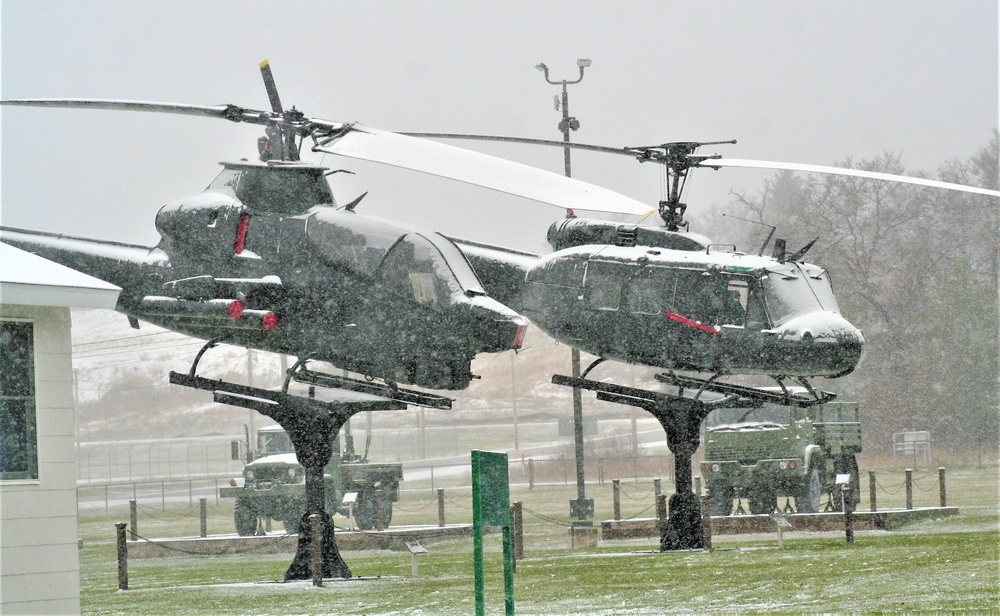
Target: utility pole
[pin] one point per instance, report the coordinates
(582, 508)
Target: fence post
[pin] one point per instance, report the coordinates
(616, 494)
(872, 496)
(944, 493)
(706, 523)
(518, 522)
(441, 507)
(316, 524)
(531, 473)
(656, 488)
(661, 513)
(122, 556)
(203, 507)
(133, 518)
(909, 488)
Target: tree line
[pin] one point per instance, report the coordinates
(916, 269)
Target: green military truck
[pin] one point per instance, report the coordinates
(767, 450)
(273, 484)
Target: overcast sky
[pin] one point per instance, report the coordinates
(809, 82)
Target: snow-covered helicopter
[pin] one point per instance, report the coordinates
(266, 258)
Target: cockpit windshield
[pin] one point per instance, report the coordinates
(797, 292)
(415, 268)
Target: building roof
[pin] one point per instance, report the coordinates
(31, 280)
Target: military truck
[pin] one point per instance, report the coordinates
(767, 450)
(273, 484)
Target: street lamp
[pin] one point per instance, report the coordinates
(581, 508)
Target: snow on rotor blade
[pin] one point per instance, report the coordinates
(766, 164)
(233, 113)
(479, 169)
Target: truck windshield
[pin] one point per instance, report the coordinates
(274, 442)
(764, 415)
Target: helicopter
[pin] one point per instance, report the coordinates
(266, 258)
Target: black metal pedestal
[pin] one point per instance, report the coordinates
(312, 425)
(681, 419)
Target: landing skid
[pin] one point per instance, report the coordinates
(743, 391)
(312, 425)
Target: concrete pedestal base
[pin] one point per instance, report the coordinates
(583, 537)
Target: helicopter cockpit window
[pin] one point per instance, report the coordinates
(415, 268)
(699, 296)
(359, 243)
(821, 284)
(789, 294)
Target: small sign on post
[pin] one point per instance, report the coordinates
(491, 507)
(415, 548)
(782, 522)
(349, 499)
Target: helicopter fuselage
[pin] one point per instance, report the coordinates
(698, 309)
(264, 259)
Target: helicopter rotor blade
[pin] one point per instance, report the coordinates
(229, 112)
(364, 143)
(765, 164)
(269, 85)
(551, 142)
(409, 152)
(651, 154)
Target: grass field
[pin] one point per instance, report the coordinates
(950, 564)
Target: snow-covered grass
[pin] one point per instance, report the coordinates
(951, 564)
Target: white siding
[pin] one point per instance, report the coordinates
(39, 559)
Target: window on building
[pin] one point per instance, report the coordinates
(18, 440)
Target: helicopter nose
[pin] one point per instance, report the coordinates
(494, 326)
(829, 344)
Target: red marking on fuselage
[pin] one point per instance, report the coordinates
(673, 316)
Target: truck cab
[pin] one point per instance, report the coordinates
(273, 484)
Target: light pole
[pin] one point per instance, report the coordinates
(582, 508)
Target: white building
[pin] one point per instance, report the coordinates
(39, 561)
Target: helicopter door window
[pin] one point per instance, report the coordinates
(756, 314)
(644, 294)
(699, 296)
(737, 293)
(604, 286)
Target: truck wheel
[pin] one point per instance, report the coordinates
(364, 510)
(720, 500)
(810, 493)
(245, 517)
(762, 500)
(367, 514)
